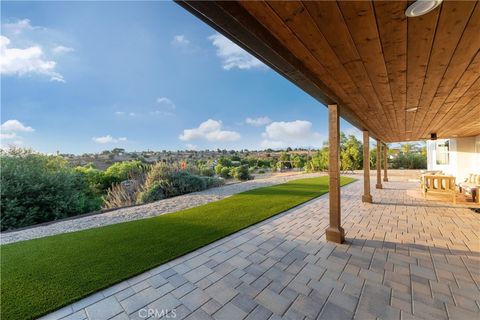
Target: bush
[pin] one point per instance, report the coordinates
(206, 171)
(183, 182)
(410, 161)
(94, 178)
(37, 188)
(225, 172)
(154, 193)
(160, 171)
(225, 162)
(218, 169)
(121, 171)
(214, 182)
(121, 195)
(241, 173)
(177, 183)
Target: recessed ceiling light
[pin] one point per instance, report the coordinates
(411, 109)
(421, 7)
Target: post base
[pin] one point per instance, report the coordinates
(367, 198)
(335, 234)
(378, 186)
(385, 179)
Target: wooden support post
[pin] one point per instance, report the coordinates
(334, 232)
(379, 165)
(385, 163)
(367, 197)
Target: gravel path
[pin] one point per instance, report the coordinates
(147, 210)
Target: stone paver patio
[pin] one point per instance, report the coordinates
(405, 258)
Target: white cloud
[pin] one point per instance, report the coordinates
(108, 139)
(296, 133)
(210, 130)
(123, 113)
(62, 49)
(166, 103)
(15, 125)
(9, 131)
(31, 60)
(233, 56)
(18, 27)
(180, 40)
(258, 122)
(165, 107)
(8, 136)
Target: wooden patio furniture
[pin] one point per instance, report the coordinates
(438, 184)
(471, 186)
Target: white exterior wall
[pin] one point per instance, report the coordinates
(464, 157)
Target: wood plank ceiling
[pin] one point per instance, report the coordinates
(401, 78)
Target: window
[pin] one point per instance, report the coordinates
(441, 150)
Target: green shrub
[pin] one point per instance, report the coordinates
(241, 173)
(154, 193)
(213, 182)
(218, 169)
(225, 162)
(121, 171)
(160, 171)
(206, 171)
(37, 188)
(180, 182)
(94, 177)
(225, 173)
(183, 182)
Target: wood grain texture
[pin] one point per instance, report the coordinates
(368, 58)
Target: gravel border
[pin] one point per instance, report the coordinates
(98, 219)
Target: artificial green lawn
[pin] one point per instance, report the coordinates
(41, 275)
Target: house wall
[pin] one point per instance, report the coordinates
(464, 157)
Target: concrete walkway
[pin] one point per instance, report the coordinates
(405, 258)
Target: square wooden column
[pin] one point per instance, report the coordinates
(367, 197)
(379, 165)
(385, 163)
(334, 232)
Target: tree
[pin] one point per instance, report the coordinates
(241, 173)
(373, 157)
(298, 161)
(351, 153)
(319, 161)
(284, 161)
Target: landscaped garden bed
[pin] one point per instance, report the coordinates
(41, 275)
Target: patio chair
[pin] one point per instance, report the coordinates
(471, 186)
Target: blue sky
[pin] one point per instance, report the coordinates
(89, 76)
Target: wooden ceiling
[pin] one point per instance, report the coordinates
(369, 58)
